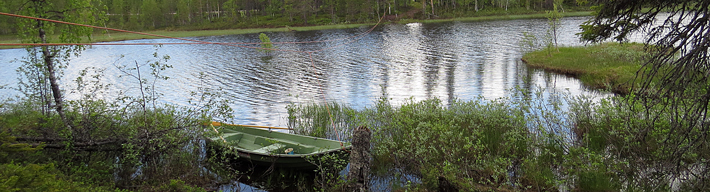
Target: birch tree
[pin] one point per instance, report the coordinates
(52, 59)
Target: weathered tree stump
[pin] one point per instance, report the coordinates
(360, 159)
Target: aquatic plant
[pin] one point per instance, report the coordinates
(532, 140)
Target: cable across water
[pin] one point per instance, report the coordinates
(193, 41)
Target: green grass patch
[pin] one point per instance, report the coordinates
(610, 66)
(491, 16)
(103, 36)
(113, 36)
(9, 39)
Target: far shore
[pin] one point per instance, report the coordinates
(108, 36)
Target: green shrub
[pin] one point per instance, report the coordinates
(38, 177)
(476, 141)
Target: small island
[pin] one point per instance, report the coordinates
(605, 66)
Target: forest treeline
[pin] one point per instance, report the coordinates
(224, 14)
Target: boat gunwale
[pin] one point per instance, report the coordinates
(243, 150)
(287, 155)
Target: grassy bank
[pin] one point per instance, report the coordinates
(496, 17)
(112, 36)
(106, 36)
(610, 66)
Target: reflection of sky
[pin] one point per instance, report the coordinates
(9, 62)
(444, 60)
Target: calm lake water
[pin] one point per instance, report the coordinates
(449, 60)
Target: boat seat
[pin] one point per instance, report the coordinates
(320, 149)
(229, 136)
(300, 148)
(271, 148)
(293, 143)
(226, 137)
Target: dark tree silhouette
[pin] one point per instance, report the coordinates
(670, 148)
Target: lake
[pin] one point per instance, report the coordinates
(448, 60)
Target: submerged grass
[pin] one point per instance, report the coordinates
(473, 145)
(610, 66)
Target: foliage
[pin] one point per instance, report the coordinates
(230, 14)
(680, 52)
(159, 135)
(636, 137)
(472, 137)
(315, 120)
(266, 44)
(125, 141)
(44, 65)
(329, 166)
(178, 186)
(530, 141)
(582, 2)
(474, 144)
(10, 148)
(38, 177)
(77, 11)
(672, 93)
(553, 17)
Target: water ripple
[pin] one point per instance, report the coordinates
(443, 60)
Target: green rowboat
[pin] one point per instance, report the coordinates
(268, 147)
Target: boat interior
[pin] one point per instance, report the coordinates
(268, 145)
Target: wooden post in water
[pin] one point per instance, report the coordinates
(359, 172)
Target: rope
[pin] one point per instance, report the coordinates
(332, 123)
(92, 44)
(215, 130)
(112, 29)
(234, 44)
